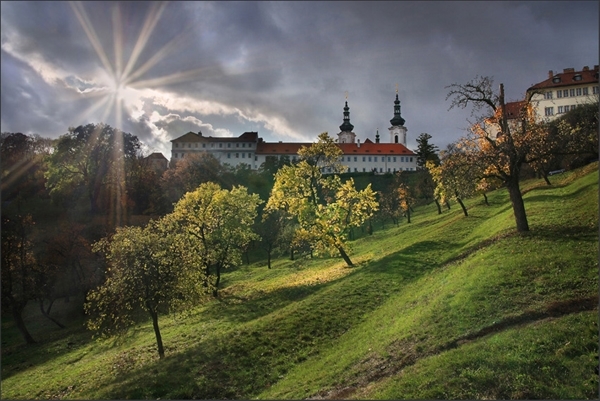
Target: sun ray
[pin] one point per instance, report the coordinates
(149, 24)
(91, 34)
(118, 42)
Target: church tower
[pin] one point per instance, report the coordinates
(346, 135)
(397, 130)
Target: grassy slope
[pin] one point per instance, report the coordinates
(446, 307)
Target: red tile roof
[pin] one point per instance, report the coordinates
(568, 77)
(366, 148)
(513, 109)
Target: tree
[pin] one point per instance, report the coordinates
(187, 174)
(326, 209)
(92, 158)
(270, 227)
(218, 223)
(502, 155)
(456, 177)
(19, 284)
(148, 270)
(425, 151)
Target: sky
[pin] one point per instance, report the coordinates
(283, 69)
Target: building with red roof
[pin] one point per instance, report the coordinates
(250, 149)
(564, 91)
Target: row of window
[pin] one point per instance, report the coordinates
(237, 155)
(212, 145)
(560, 93)
(549, 111)
(364, 170)
(374, 159)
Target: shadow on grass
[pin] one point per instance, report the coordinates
(536, 196)
(271, 337)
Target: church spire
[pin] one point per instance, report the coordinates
(397, 120)
(346, 126)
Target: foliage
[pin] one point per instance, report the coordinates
(147, 269)
(425, 151)
(326, 209)
(187, 174)
(92, 158)
(217, 224)
(20, 271)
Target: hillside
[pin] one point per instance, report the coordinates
(445, 307)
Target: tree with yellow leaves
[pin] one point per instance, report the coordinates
(326, 209)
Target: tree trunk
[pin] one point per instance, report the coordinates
(17, 312)
(216, 289)
(269, 250)
(46, 313)
(447, 204)
(408, 215)
(159, 343)
(546, 178)
(439, 208)
(463, 206)
(485, 198)
(345, 256)
(291, 253)
(516, 199)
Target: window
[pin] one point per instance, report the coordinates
(228, 145)
(229, 155)
(394, 159)
(355, 158)
(195, 145)
(348, 158)
(577, 77)
(355, 169)
(402, 159)
(549, 111)
(559, 93)
(389, 160)
(411, 160)
(388, 169)
(594, 90)
(560, 109)
(566, 93)
(176, 145)
(578, 91)
(249, 145)
(243, 155)
(363, 169)
(556, 80)
(237, 145)
(243, 145)
(375, 158)
(369, 158)
(203, 145)
(249, 155)
(548, 95)
(585, 91)
(381, 169)
(349, 169)
(572, 92)
(237, 155)
(364, 158)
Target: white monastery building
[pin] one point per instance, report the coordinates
(252, 150)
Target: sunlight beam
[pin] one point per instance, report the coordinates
(91, 34)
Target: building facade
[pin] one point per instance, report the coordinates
(252, 150)
(563, 91)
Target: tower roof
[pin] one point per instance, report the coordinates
(397, 120)
(346, 126)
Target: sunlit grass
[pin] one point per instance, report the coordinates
(408, 321)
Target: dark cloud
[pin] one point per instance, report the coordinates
(281, 68)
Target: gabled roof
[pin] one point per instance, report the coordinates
(156, 156)
(193, 137)
(568, 77)
(513, 109)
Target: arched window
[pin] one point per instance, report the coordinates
(396, 139)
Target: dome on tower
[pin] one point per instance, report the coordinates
(397, 120)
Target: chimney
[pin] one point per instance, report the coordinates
(358, 143)
(569, 70)
(200, 133)
(586, 68)
(550, 74)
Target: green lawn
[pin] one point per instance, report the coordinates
(445, 307)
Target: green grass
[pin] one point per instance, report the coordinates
(445, 307)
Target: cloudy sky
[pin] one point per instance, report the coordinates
(284, 69)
